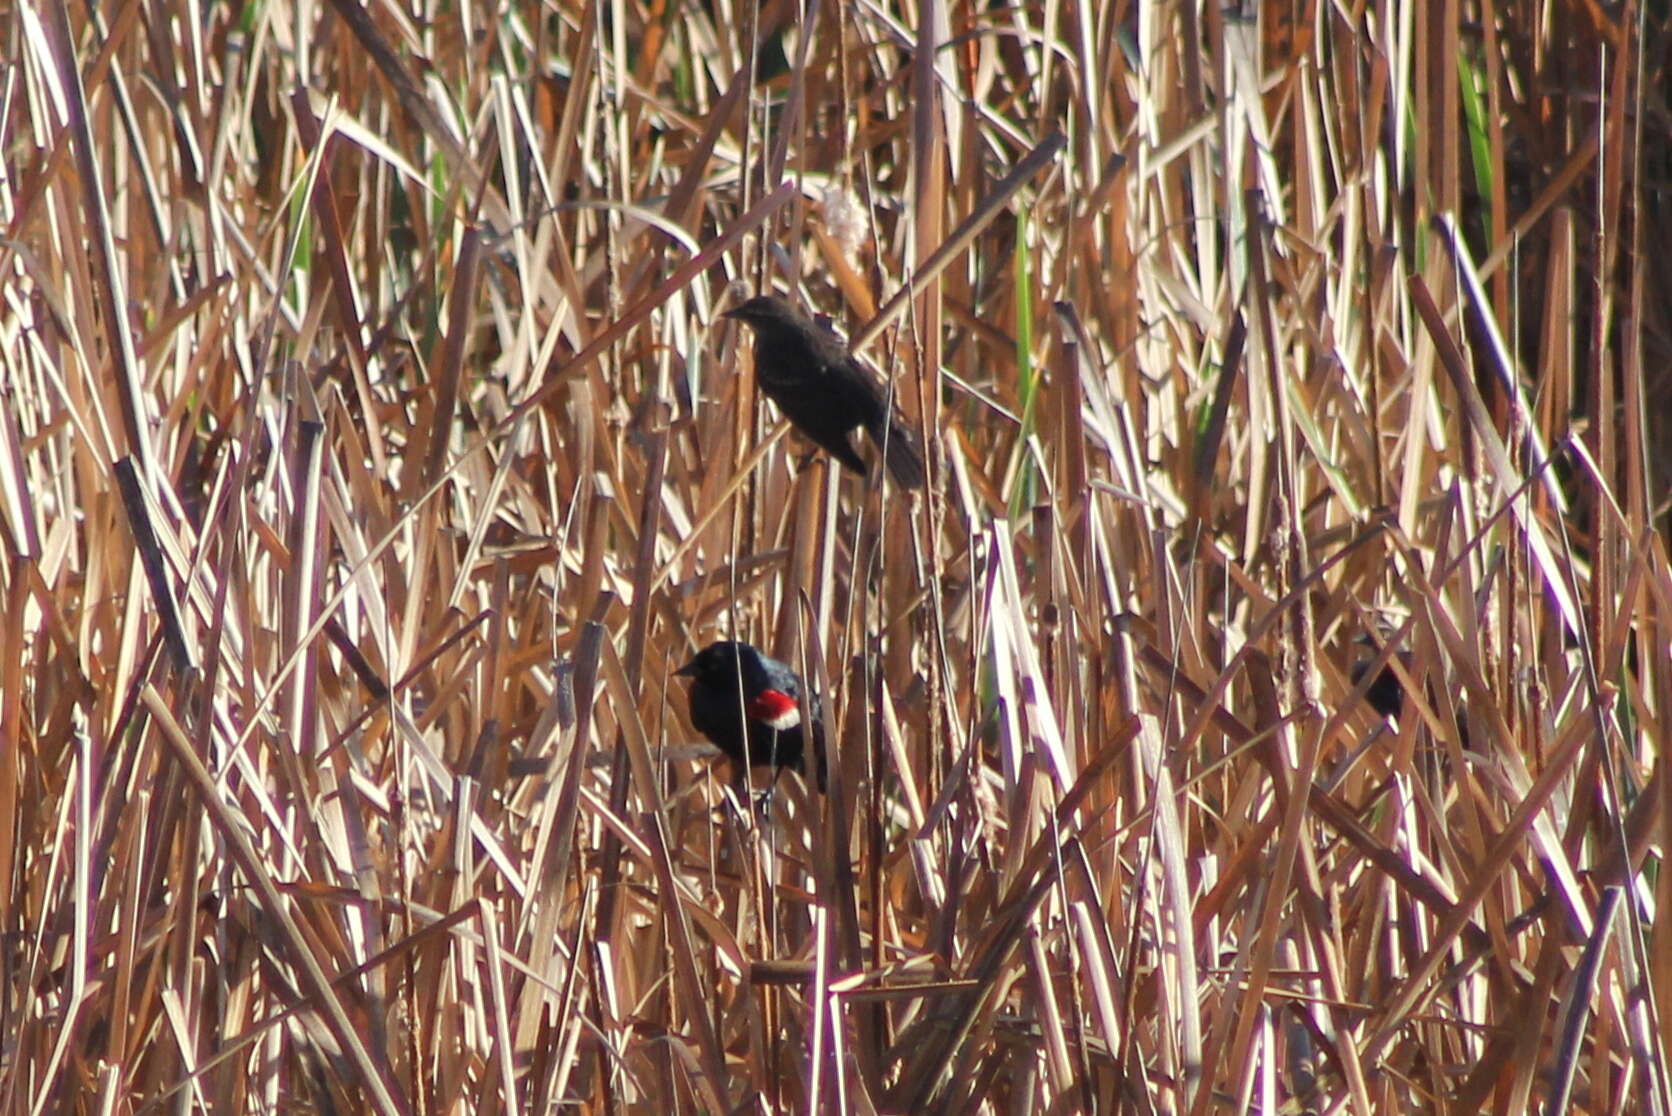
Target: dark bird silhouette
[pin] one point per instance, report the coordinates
(741, 699)
(808, 372)
(1385, 694)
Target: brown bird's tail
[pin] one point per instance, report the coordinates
(899, 451)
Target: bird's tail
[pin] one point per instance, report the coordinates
(899, 450)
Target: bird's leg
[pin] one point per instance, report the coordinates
(760, 800)
(763, 801)
(805, 461)
(771, 791)
(737, 793)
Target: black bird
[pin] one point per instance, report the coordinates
(808, 372)
(739, 694)
(1385, 694)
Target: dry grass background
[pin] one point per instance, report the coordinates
(372, 451)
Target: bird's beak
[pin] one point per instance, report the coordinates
(734, 312)
(689, 670)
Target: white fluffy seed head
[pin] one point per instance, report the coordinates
(844, 219)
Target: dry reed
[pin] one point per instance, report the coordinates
(372, 451)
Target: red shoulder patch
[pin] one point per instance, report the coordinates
(775, 708)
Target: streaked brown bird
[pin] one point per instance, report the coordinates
(808, 372)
